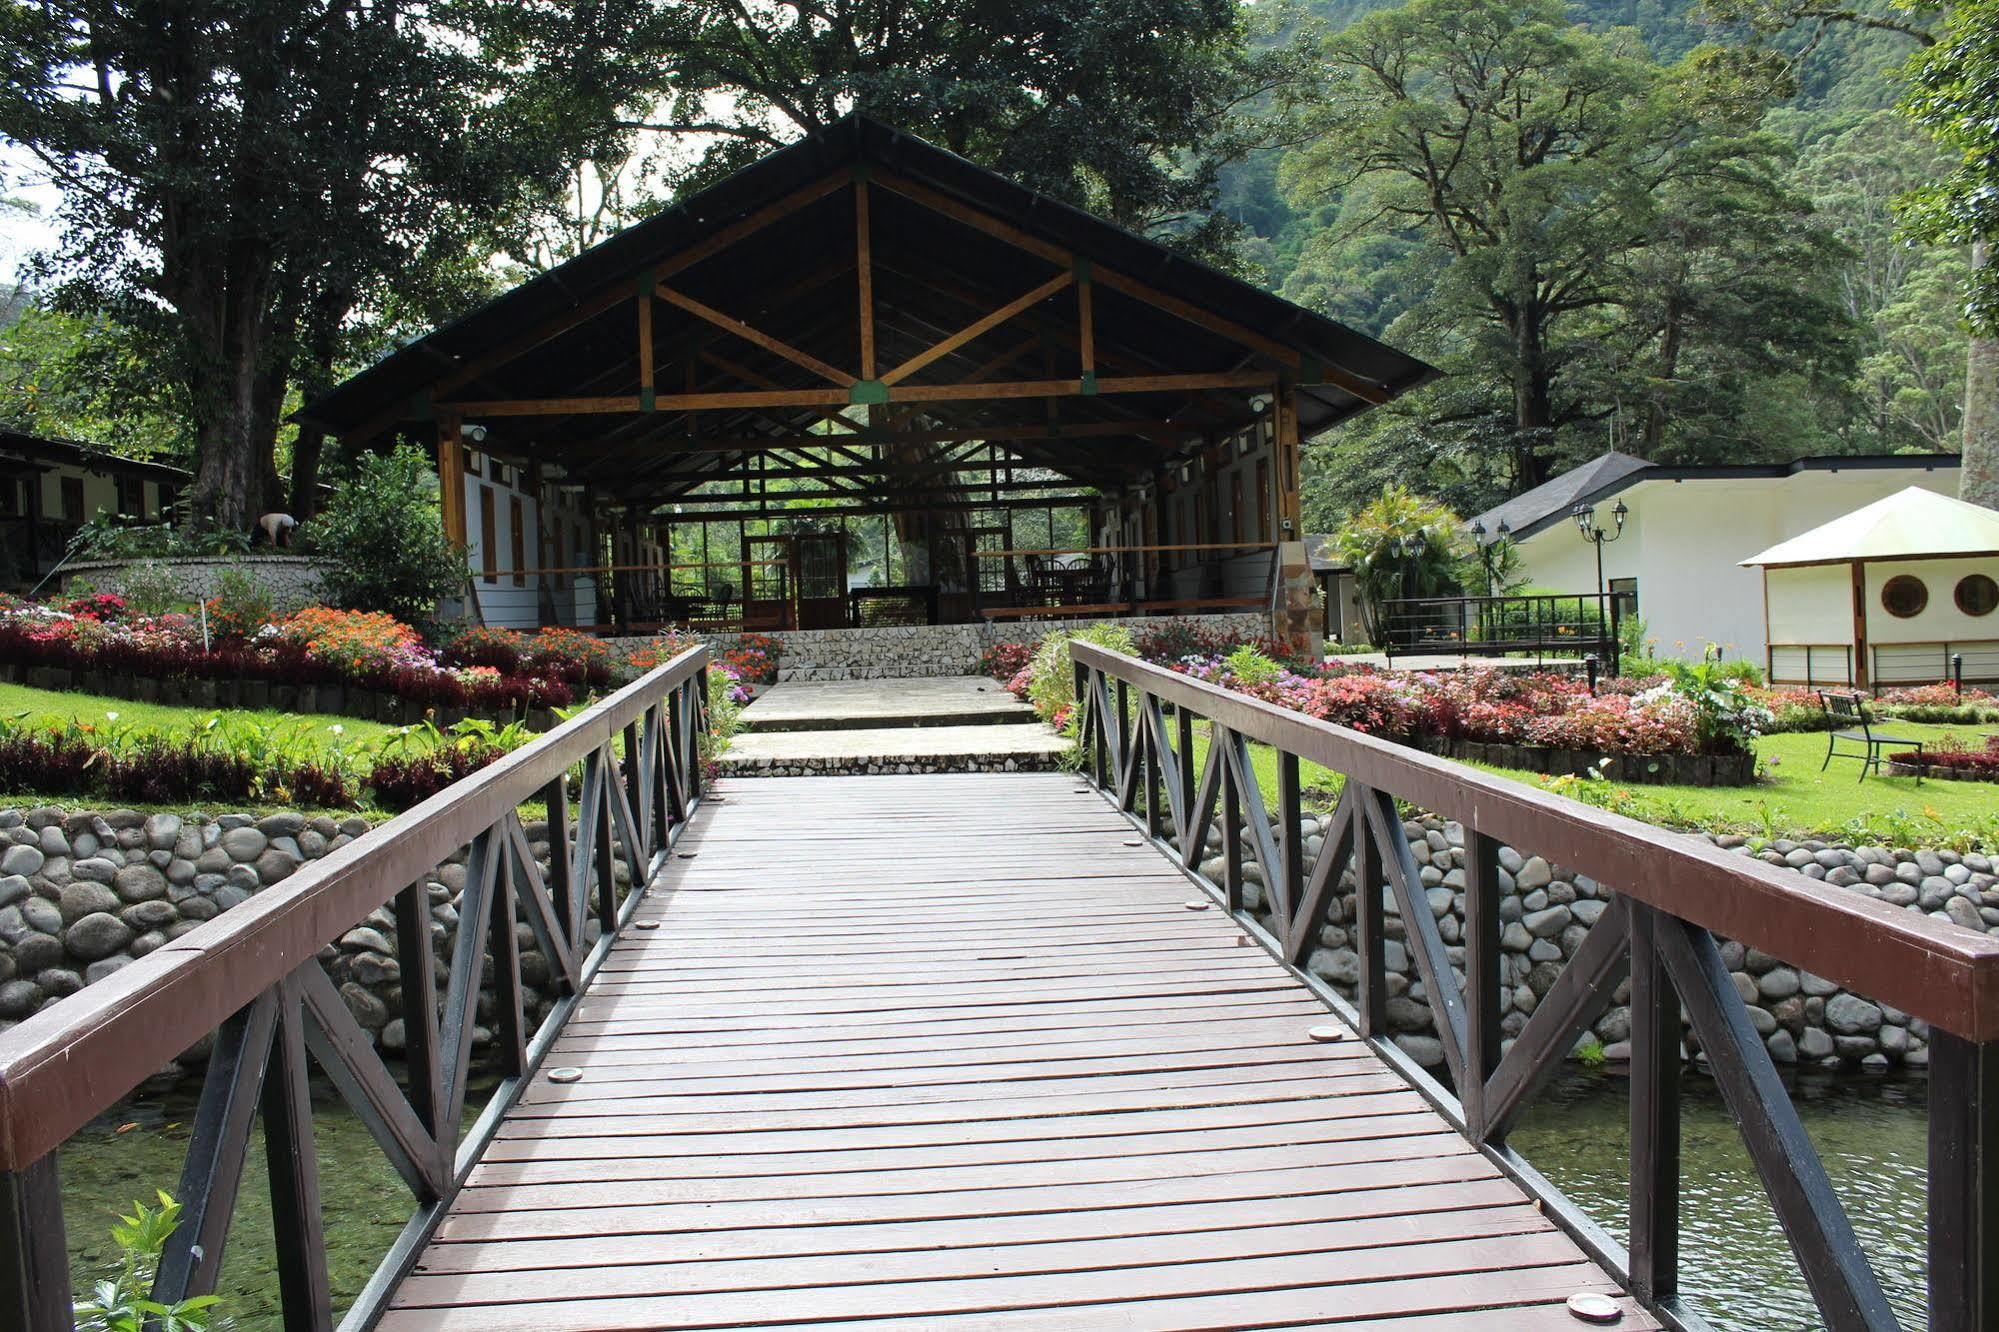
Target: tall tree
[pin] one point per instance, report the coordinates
(239, 175)
(1955, 75)
(1955, 91)
(1124, 107)
(1608, 223)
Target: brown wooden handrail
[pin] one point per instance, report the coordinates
(74, 1059)
(1942, 973)
(1667, 898)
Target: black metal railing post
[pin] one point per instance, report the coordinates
(1482, 978)
(34, 1257)
(1963, 1183)
(1654, 1249)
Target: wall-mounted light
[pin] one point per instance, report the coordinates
(475, 433)
(1259, 403)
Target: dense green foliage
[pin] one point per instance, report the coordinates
(383, 541)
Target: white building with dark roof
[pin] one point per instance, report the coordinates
(1678, 560)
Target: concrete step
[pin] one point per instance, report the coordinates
(1002, 747)
(848, 705)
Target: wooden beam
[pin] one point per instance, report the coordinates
(978, 327)
(646, 384)
(1086, 324)
(563, 321)
(451, 478)
(908, 393)
(1069, 388)
(742, 330)
(1290, 505)
(1284, 355)
(864, 265)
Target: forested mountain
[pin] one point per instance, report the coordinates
(1758, 303)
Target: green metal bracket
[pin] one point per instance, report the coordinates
(648, 400)
(861, 171)
(868, 393)
(1089, 389)
(1080, 267)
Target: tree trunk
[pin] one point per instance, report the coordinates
(1978, 479)
(1533, 399)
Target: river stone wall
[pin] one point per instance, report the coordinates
(1546, 912)
(84, 894)
(291, 581)
(900, 652)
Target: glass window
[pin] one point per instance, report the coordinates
(1977, 594)
(1904, 596)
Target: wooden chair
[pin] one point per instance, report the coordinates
(1847, 715)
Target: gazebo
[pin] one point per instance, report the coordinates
(1901, 591)
(864, 380)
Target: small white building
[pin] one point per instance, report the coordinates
(1678, 562)
(1886, 595)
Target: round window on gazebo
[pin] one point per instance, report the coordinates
(1904, 596)
(1977, 594)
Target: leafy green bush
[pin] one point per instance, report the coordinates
(383, 540)
(123, 1301)
(151, 588)
(1051, 680)
(241, 604)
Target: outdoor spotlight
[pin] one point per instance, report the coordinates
(475, 433)
(1259, 403)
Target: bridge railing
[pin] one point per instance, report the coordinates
(1673, 895)
(618, 783)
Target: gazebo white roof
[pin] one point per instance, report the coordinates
(1910, 524)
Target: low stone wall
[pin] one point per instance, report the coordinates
(83, 895)
(902, 652)
(292, 581)
(1546, 912)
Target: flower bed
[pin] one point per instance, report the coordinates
(1692, 726)
(315, 660)
(1950, 758)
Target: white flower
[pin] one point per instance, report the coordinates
(110, 716)
(337, 729)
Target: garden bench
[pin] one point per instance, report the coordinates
(1847, 714)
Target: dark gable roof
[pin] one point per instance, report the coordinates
(758, 269)
(16, 446)
(1611, 473)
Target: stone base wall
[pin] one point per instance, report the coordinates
(1546, 912)
(293, 581)
(83, 895)
(914, 651)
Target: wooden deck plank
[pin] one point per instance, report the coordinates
(945, 1069)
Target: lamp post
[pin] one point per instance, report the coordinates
(1586, 524)
(1485, 549)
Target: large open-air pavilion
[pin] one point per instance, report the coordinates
(864, 381)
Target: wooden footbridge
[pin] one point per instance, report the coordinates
(984, 1051)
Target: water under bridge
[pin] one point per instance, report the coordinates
(987, 1050)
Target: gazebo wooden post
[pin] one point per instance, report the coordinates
(451, 476)
(1860, 672)
(1291, 601)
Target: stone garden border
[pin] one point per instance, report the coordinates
(293, 582)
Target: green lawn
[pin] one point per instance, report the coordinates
(1793, 798)
(97, 709)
